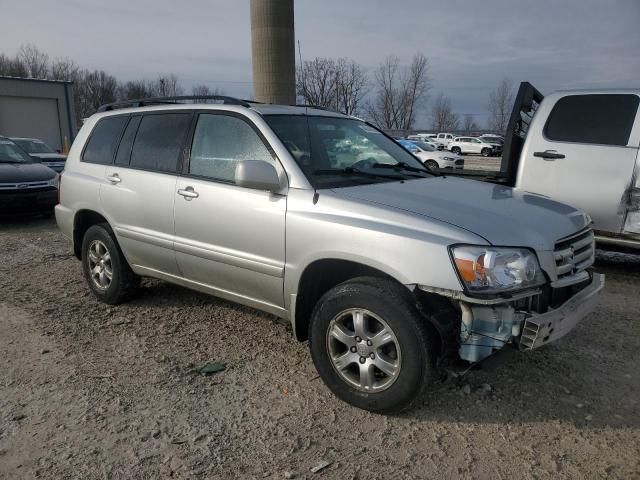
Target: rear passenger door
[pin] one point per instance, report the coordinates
(139, 188)
(581, 150)
(230, 240)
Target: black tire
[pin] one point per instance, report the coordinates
(486, 152)
(123, 284)
(456, 150)
(416, 340)
(431, 164)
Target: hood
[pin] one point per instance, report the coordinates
(24, 172)
(501, 215)
(49, 156)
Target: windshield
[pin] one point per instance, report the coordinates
(335, 152)
(424, 146)
(11, 153)
(33, 146)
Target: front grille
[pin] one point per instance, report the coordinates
(575, 253)
(42, 184)
(460, 162)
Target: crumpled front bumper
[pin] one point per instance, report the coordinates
(541, 329)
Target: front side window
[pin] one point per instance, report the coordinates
(104, 140)
(333, 151)
(220, 142)
(159, 140)
(605, 119)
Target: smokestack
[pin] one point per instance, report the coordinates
(273, 50)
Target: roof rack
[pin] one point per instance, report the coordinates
(141, 102)
(318, 107)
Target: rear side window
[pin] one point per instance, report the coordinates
(219, 142)
(124, 150)
(159, 140)
(600, 119)
(104, 140)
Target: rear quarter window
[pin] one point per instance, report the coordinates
(605, 119)
(103, 140)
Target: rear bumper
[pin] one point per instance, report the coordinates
(27, 202)
(539, 330)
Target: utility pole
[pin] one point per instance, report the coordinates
(273, 51)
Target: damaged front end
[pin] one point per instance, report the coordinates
(531, 317)
(526, 323)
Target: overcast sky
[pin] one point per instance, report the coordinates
(471, 45)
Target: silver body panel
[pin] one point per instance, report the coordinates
(253, 246)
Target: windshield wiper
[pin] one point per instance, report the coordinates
(402, 166)
(354, 171)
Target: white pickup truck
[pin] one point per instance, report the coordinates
(579, 148)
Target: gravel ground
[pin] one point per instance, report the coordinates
(91, 391)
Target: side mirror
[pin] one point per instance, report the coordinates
(257, 174)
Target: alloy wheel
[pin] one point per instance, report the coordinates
(363, 350)
(100, 266)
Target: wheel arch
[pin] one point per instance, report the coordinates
(82, 220)
(322, 275)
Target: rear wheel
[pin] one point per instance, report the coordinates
(431, 164)
(486, 152)
(456, 150)
(105, 269)
(371, 346)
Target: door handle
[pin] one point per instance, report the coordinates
(548, 155)
(188, 193)
(115, 178)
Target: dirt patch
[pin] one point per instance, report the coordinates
(92, 391)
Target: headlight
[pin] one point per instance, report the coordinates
(449, 159)
(53, 182)
(495, 270)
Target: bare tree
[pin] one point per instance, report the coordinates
(167, 86)
(93, 89)
(64, 69)
(315, 82)
(500, 105)
(469, 124)
(399, 92)
(338, 84)
(350, 86)
(443, 118)
(36, 62)
(12, 67)
(204, 91)
(134, 89)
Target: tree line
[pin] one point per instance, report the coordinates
(91, 88)
(390, 96)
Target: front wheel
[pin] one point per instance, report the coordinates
(456, 150)
(371, 346)
(486, 152)
(431, 164)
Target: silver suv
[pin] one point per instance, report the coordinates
(389, 271)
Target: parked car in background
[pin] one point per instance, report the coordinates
(26, 186)
(388, 270)
(427, 140)
(491, 138)
(431, 157)
(42, 152)
(464, 145)
(444, 139)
